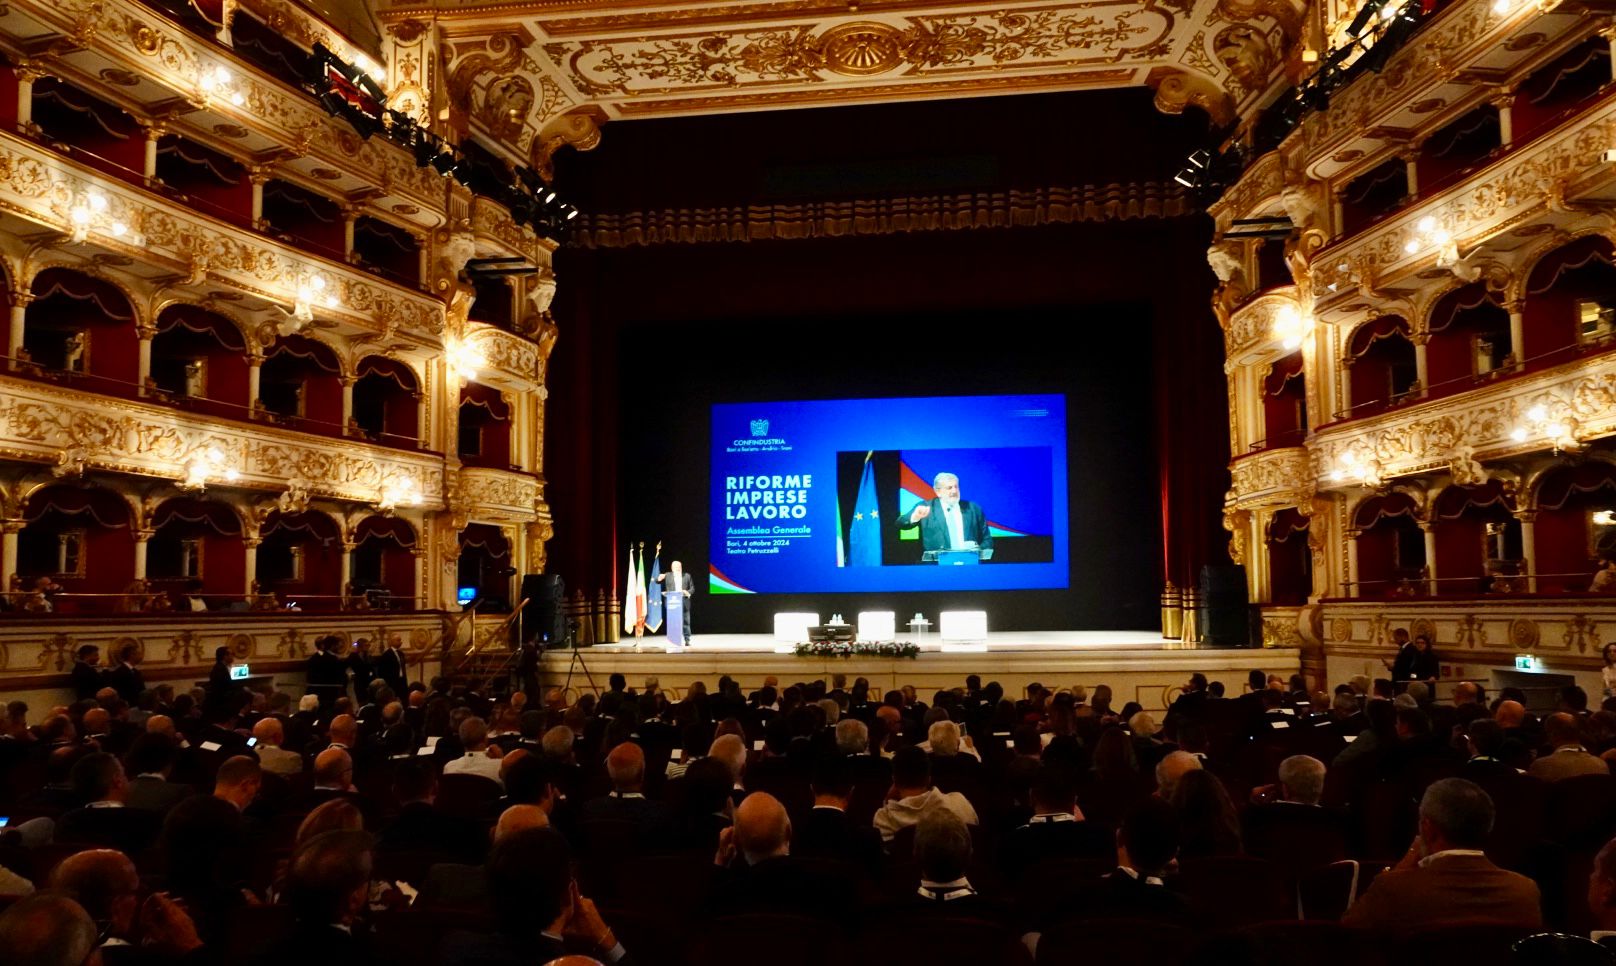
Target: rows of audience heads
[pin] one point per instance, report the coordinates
(502, 822)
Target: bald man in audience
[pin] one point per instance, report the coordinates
(731, 750)
(238, 781)
(47, 930)
(106, 885)
(626, 802)
(344, 733)
(1171, 768)
(760, 876)
(479, 758)
(275, 759)
(1569, 759)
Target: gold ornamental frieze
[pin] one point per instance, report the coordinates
(1274, 477)
(39, 423)
(497, 496)
(31, 656)
(513, 358)
(1568, 634)
(1474, 426)
(43, 186)
(1490, 200)
(1251, 326)
(915, 47)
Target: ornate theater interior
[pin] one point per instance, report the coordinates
(1263, 334)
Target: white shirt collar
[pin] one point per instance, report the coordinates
(945, 891)
(1134, 874)
(625, 795)
(1449, 852)
(1571, 747)
(104, 805)
(1045, 818)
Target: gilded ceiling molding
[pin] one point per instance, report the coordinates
(1177, 90)
(885, 216)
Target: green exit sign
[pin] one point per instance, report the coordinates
(1523, 662)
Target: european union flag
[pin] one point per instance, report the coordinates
(653, 609)
(864, 535)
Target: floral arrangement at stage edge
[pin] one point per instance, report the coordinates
(857, 649)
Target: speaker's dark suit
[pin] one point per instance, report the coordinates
(934, 528)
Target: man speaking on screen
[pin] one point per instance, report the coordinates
(946, 522)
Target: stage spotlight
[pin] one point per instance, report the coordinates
(571, 212)
(1201, 158)
(424, 149)
(332, 102)
(550, 196)
(1365, 14)
(443, 162)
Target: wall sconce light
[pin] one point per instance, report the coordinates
(311, 290)
(206, 466)
(1559, 430)
(463, 359)
(396, 493)
(218, 83)
(1350, 465)
(1291, 326)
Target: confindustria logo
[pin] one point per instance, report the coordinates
(759, 441)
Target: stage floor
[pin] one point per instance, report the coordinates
(1138, 665)
(1000, 641)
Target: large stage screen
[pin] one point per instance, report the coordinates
(920, 494)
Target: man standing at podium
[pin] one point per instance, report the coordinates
(676, 589)
(946, 522)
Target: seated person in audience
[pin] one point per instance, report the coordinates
(626, 802)
(1568, 759)
(103, 819)
(1484, 740)
(759, 875)
(1446, 879)
(1605, 578)
(912, 793)
(704, 808)
(333, 777)
(343, 732)
(238, 781)
(419, 827)
(328, 889)
(1170, 769)
(48, 930)
(826, 832)
(1057, 829)
(731, 750)
(1208, 823)
(275, 759)
(107, 886)
(1602, 896)
(538, 910)
(954, 765)
(943, 853)
(1284, 815)
(478, 758)
(151, 758)
(1146, 849)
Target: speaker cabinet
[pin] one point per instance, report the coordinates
(542, 618)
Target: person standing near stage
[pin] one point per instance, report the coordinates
(676, 581)
(946, 522)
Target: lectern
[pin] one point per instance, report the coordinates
(956, 558)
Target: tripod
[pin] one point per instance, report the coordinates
(577, 662)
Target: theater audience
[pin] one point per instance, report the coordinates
(913, 793)
(274, 758)
(1568, 758)
(819, 823)
(1445, 878)
(105, 819)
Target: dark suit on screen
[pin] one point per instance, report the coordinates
(934, 528)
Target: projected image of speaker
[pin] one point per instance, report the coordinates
(1225, 609)
(542, 618)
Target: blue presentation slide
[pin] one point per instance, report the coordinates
(859, 495)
